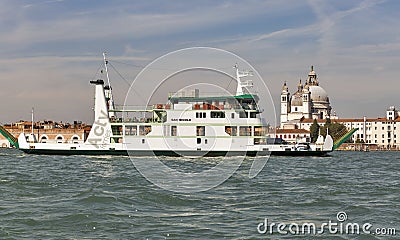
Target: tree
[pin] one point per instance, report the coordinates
(336, 130)
(314, 131)
(327, 125)
(327, 121)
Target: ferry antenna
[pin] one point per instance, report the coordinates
(110, 95)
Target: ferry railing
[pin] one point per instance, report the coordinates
(204, 94)
(132, 120)
(132, 108)
(195, 106)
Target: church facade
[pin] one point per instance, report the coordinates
(310, 101)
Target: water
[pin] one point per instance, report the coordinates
(75, 197)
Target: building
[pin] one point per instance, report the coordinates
(310, 101)
(292, 135)
(48, 131)
(383, 132)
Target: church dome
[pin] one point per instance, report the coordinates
(318, 94)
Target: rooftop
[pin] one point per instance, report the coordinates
(291, 131)
(211, 98)
(342, 120)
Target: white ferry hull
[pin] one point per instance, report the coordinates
(140, 153)
(137, 150)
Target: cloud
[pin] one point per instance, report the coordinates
(41, 3)
(116, 24)
(353, 44)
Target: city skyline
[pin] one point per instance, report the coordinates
(51, 49)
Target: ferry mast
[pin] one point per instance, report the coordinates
(241, 86)
(108, 90)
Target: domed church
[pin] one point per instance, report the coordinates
(310, 101)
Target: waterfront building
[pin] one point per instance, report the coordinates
(381, 133)
(311, 101)
(48, 131)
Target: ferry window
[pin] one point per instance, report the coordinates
(200, 115)
(130, 130)
(258, 131)
(245, 131)
(200, 130)
(217, 114)
(228, 130)
(234, 131)
(198, 140)
(115, 140)
(147, 129)
(116, 129)
(243, 114)
(143, 141)
(232, 115)
(253, 115)
(173, 131)
(231, 130)
(205, 141)
(144, 130)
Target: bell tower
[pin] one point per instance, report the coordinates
(285, 103)
(312, 78)
(306, 102)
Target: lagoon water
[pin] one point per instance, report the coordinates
(88, 197)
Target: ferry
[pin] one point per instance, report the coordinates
(186, 125)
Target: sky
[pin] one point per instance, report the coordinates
(51, 49)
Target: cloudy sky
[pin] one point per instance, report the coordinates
(49, 50)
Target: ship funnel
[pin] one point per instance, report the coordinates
(100, 103)
(99, 135)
